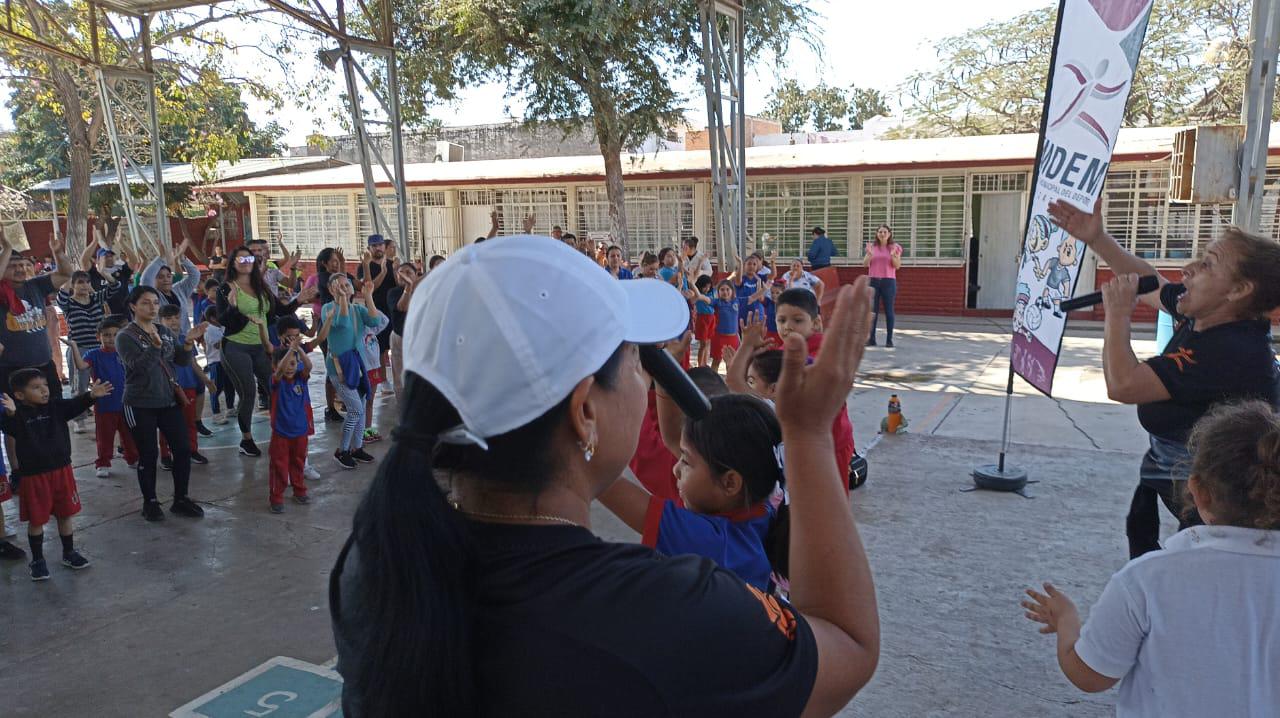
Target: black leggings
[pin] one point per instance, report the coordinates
(246, 363)
(143, 424)
(1142, 525)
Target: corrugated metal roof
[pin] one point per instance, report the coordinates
(184, 173)
(991, 150)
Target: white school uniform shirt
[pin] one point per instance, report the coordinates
(213, 344)
(1193, 630)
(807, 280)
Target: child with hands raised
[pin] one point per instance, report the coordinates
(37, 425)
(291, 422)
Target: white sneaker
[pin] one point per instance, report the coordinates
(309, 472)
(78, 426)
(103, 473)
(220, 418)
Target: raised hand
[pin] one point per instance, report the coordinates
(1081, 225)
(1120, 295)
(728, 353)
(808, 396)
(196, 332)
(754, 332)
(99, 389)
(678, 348)
(6, 402)
(307, 294)
(1049, 608)
(527, 224)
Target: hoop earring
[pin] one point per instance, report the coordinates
(588, 450)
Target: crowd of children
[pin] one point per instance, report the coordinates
(37, 420)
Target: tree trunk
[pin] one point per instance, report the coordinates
(617, 196)
(80, 158)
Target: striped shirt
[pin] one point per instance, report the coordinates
(82, 319)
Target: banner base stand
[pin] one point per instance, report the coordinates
(990, 477)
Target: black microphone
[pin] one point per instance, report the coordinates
(1146, 285)
(673, 378)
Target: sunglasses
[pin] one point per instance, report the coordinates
(249, 259)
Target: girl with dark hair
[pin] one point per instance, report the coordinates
(497, 599)
(883, 259)
(728, 468)
(1210, 594)
(246, 307)
(328, 263)
(1220, 351)
(149, 352)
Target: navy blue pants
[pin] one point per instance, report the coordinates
(886, 291)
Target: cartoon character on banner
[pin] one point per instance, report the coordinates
(1026, 316)
(1038, 237)
(1056, 274)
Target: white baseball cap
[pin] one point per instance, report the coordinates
(506, 328)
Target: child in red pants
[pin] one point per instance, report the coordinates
(108, 416)
(190, 377)
(291, 424)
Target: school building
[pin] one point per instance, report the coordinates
(956, 205)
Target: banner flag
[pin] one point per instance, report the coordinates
(1095, 53)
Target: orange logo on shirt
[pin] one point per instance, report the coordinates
(1182, 355)
(783, 619)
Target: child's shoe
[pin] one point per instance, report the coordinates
(198, 458)
(277, 508)
(203, 430)
(186, 507)
(166, 463)
(344, 459)
(309, 472)
(39, 570)
(363, 456)
(73, 560)
(9, 552)
(371, 436)
(304, 499)
(103, 473)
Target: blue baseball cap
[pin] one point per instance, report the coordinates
(104, 252)
(376, 239)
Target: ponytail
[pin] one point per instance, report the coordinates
(415, 578)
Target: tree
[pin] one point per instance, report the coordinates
(828, 107)
(576, 63)
(789, 105)
(991, 80)
(864, 104)
(188, 50)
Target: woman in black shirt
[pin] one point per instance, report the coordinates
(1220, 351)
(398, 299)
(499, 600)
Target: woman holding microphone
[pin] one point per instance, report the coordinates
(524, 392)
(1220, 351)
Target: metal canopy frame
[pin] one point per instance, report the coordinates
(128, 97)
(1260, 90)
(723, 73)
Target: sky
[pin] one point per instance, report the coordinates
(864, 43)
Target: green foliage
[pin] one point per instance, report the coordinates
(991, 80)
(823, 108)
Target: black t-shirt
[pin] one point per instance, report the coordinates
(1202, 368)
(116, 298)
(569, 625)
(40, 437)
(380, 293)
(397, 316)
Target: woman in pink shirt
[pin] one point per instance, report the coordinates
(883, 257)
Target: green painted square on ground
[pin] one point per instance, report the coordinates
(279, 688)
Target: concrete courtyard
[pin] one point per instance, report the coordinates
(184, 614)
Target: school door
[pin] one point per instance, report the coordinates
(999, 242)
(439, 230)
(475, 223)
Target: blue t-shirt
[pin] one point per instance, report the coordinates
(105, 365)
(704, 308)
(198, 305)
(749, 286)
(726, 316)
(186, 377)
(624, 273)
(290, 406)
(770, 315)
(347, 331)
(734, 541)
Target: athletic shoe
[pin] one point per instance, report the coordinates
(78, 426)
(203, 430)
(198, 458)
(277, 508)
(309, 472)
(889, 344)
(9, 552)
(39, 570)
(248, 448)
(304, 499)
(166, 463)
(371, 436)
(871, 342)
(103, 473)
(74, 560)
(262, 404)
(344, 460)
(220, 418)
(134, 465)
(362, 455)
(151, 511)
(332, 415)
(186, 507)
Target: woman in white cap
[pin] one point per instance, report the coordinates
(524, 392)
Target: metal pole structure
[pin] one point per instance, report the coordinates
(723, 65)
(53, 202)
(153, 128)
(362, 140)
(1260, 87)
(397, 144)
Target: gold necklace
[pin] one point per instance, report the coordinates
(518, 517)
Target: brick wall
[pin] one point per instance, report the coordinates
(923, 290)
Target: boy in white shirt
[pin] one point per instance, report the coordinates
(1193, 630)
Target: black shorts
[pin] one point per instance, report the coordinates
(384, 339)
